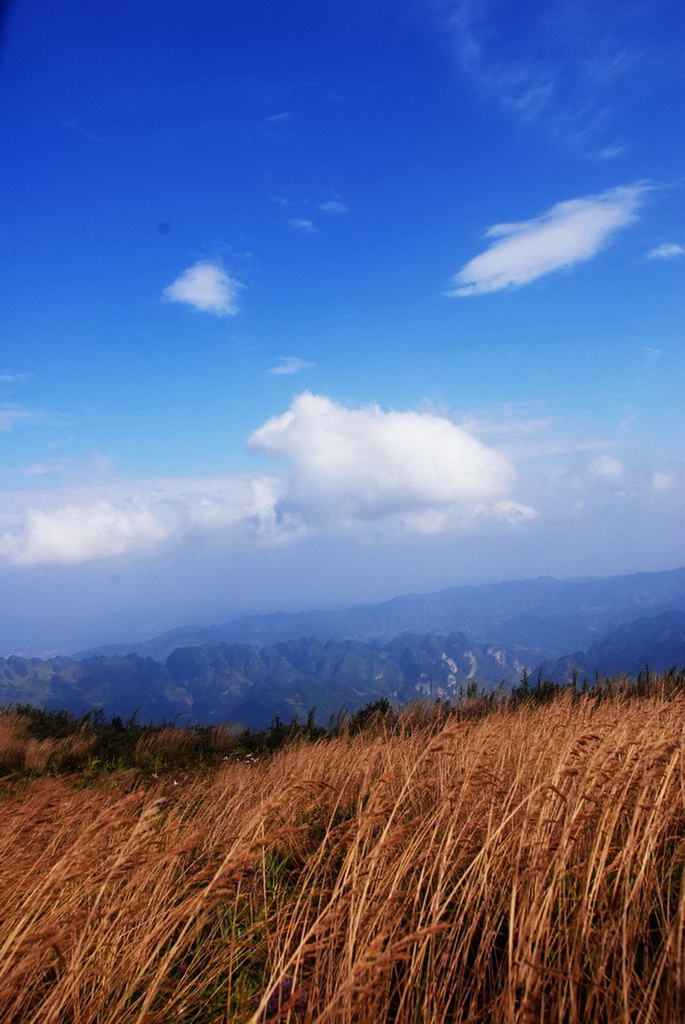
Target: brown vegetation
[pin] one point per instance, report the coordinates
(525, 866)
(22, 752)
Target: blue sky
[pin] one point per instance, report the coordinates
(318, 302)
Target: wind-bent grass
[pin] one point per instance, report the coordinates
(527, 866)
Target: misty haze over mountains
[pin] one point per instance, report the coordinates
(544, 617)
(431, 646)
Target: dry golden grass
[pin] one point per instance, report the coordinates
(22, 752)
(524, 867)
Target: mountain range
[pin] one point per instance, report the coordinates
(199, 675)
(246, 683)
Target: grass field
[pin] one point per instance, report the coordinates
(523, 865)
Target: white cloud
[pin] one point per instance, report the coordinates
(82, 533)
(92, 524)
(666, 251)
(361, 464)
(334, 206)
(303, 225)
(207, 287)
(289, 365)
(13, 378)
(562, 236)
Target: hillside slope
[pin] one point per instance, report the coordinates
(657, 642)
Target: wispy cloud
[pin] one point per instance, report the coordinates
(42, 469)
(13, 378)
(666, 251)
(568, 233)
(560, 68)
(276, 126)
(529, 432)
(664, 480)
(206, 287)
(334, 206)
(290, 364)
(608, 467)
(609, 152)
(11, 417)
(303, 225)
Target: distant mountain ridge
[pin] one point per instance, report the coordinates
(542, 618)
(243, 682)
(252, 684)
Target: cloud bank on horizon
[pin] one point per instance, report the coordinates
(350, 470)
(420, 472)
(131, 517)
(568, 233)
